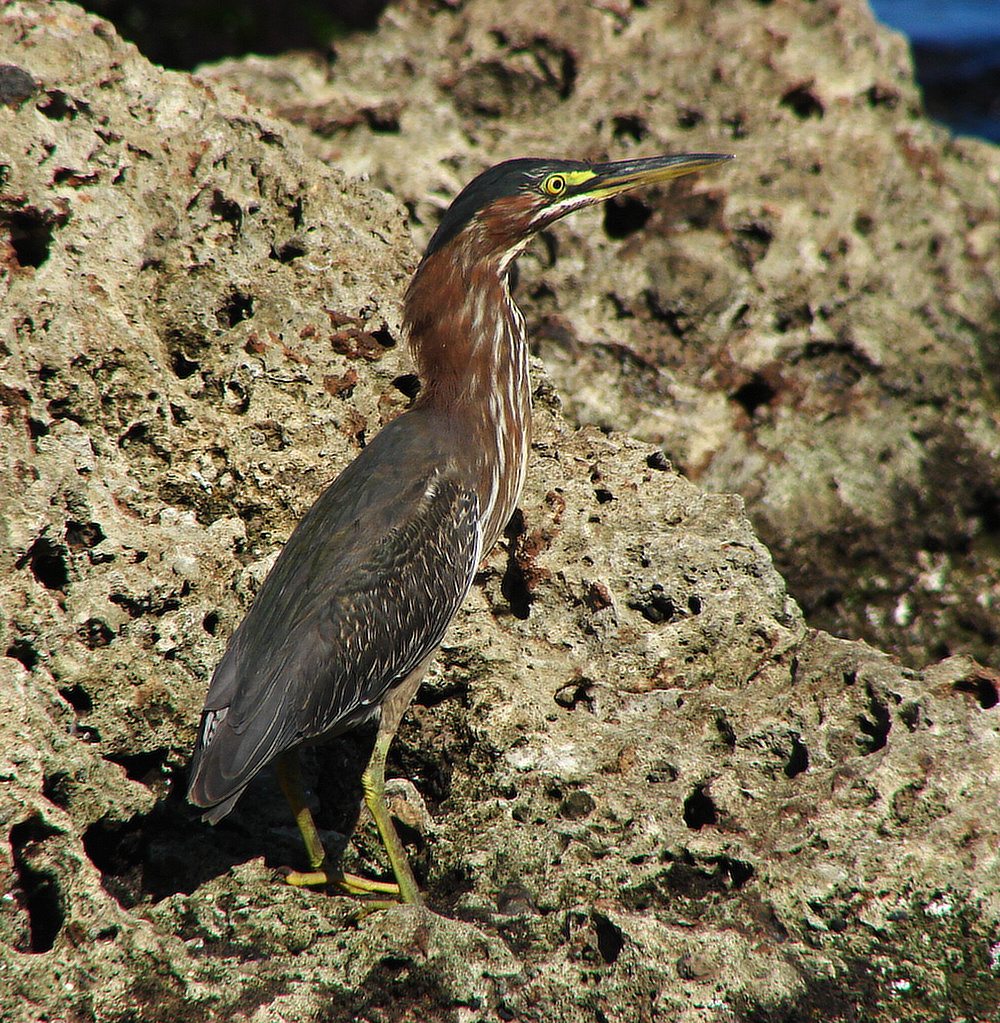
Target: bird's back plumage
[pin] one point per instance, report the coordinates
(361, 593)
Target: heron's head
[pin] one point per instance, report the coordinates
(496, 213)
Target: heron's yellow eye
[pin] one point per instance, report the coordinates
(554, 184)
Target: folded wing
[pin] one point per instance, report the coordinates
(362, 592)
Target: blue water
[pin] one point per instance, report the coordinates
(948, 21)
(956, 50)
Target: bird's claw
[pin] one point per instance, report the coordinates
(350, 884)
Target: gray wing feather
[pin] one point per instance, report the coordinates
(362, 592)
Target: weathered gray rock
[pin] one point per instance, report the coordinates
(812, 326)
(641, 787)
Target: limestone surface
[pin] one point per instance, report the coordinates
(635, 786)
(813, 326)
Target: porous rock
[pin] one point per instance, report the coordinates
(650, 791)
(813, 325)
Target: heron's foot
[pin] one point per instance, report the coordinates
(353, 884)
(350, 884)
(304, 878)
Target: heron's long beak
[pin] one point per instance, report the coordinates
(610, 179)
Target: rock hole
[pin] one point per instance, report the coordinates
(661, 771)
(877, 729)
(625, 216)
(31, 232)
(144, 604)
(210, 622)
(183, 347)
(981, 688)
(137, 433)
(239, 402)
(118, 849)
(74, 178)
(794, 318)
(577, 805)
(384, 336)
(62, 408)
(655, 606)
(910, 714)
(297, 212)
(22, 650)
(557, 65)
(882, 96)
(738, 871)
(798, 760)
(425, 768)
(48, 563)
(148, 768)
(382, 119)
(699, 809)
(514, 585)
(726, 731)
(78, 698)
(39, 888)
(57, 788)
(603, 495)
(432, 696)
(408, 384)
(226, 209)
(802, 101)
(752, 243)
(182, 366)
(409, 835)
(60, 107)
(178, 414)
(985, 507)
(659, 461)
(514, 899)
(597, 597)
(288, 252)
(864, 224)
(610, 940)
(82, 535)
(629, 126)
(694, 605)
(754, 393)
(688, 117)
(573, 693)
(95, 633)
(236, 308)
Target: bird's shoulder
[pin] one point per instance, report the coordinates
(398, 525)
(406, 479)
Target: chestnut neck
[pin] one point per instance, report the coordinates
(469, 343)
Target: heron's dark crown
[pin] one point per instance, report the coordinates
(502, 181)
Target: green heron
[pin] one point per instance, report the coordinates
(358, 601)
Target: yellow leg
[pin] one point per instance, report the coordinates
(320, 872)
(373, 781)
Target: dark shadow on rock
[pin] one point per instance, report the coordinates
(184, 33)
(171, 850)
